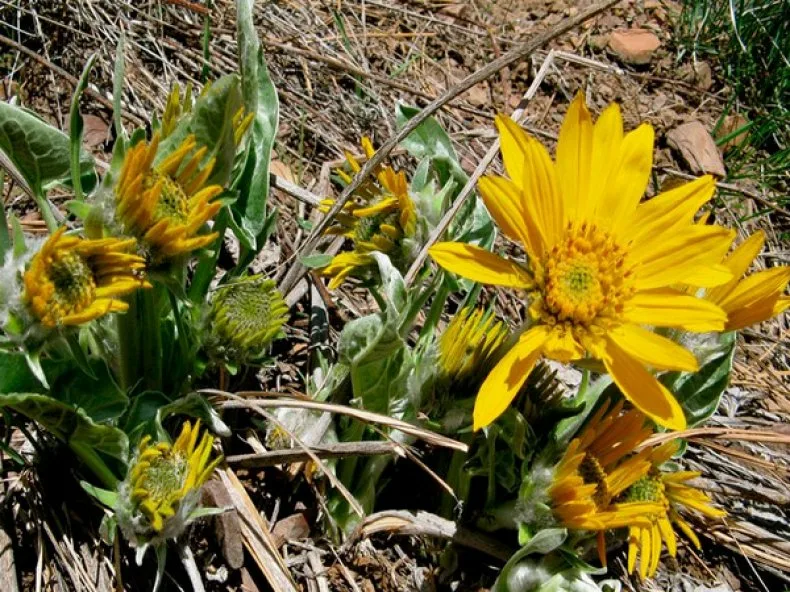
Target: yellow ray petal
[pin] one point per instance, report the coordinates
(680, 258)
(738, 262)
(505, 380)
(653, 350)
(542, 200)
(629, 181)
(642, 389)
(479, 265)
(607, 139)
(512, 141)
(670, 209)
(666, 307)
(573, 158)
(502, 199)
(753, 299)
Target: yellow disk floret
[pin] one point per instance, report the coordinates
(71, 280)
(165, 206)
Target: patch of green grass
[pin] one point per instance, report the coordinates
(746, 41)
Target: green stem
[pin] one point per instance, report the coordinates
(95, 463)
(46, 212)
(5, 237)
(140, 340)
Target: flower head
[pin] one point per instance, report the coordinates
(165, 206)
(163, 485)
(380, 217)
(72, 280)
(755, 298)
(245, 317)
(670, 491)
(470, 344)
(595, 272)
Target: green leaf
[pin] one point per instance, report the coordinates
(316, 261)
(542, 543)
(699, 392)
(69, 423)
(75, 130)
(141, 418)
(39, 152)
(99, 397)
(5, 236)
(104, 496)
(195, 405)
(16, 376)
(211, 121)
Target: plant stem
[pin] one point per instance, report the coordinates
(140, 341)
(92, 459)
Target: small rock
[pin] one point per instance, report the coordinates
(634, 46)
(733, 123)
(703, 75)
(697, 148)
(293, 527)
(227, 524)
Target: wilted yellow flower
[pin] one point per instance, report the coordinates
(758, 296)
(165, 206)
(166, 476)
(245, 317)
(470, 343)
(670, 492)
(72, 280)
(597, 467)
(596, 273)
(378, 217)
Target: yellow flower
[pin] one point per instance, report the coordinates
(378, 217)
(165, 475)
(165, 206)
(71, 280)
(670, 491)
(755, 298)
(600, 265)
(176, 107)
(597, 467)
(470, 343)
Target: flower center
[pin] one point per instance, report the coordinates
(649, 488)
(584, 278)
(173, 201)
(164, 477)
(74, 283)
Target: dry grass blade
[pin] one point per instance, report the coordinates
(523, 51)
(427, 524)
(734, 434)
(294, 455)
(257, 537)
(280, 400)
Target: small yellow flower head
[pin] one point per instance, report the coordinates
(470, 344)
(176, 107)
(245, 317)
(755, 298)
(165, 206)
(381, 216)
(163, 485)
(595, 274)
(71, 280)
(671, 493)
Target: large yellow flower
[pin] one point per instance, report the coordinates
(600, 265)
(378, 218)
(165, 206)
(164, 476)
(599, 466)
(757, 297)
(671, 492)
(71, 280)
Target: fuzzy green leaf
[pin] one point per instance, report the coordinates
(316, 261)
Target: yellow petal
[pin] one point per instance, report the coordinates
(667, 307)
(753, 300)
(642, 389)
(629, 181)
(653, 350)
(507, 377)
(502, 199)
(680, 258)
(512, 140)
(573, 158)
(542, 200)
(670, 209)
(479, 265)
(607, 139)
(738, 262)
